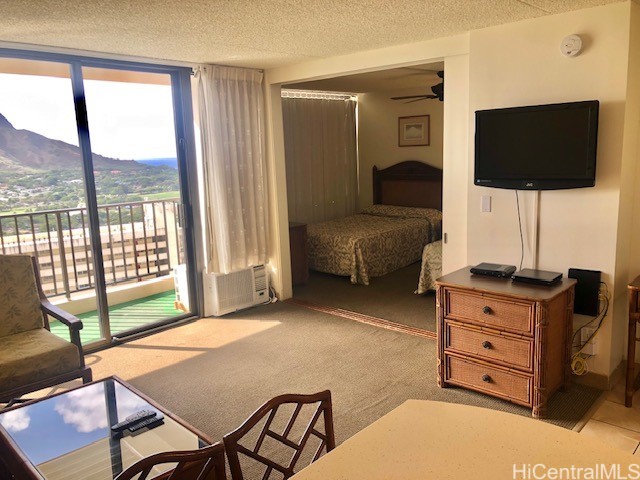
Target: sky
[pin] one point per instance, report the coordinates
(60, 425)
(128, 121)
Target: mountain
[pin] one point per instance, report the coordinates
(24, 151)
(159, 162)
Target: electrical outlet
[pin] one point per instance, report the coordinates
(590, 348)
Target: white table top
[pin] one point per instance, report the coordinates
(432, 440)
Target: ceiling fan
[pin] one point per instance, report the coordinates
(438, 92)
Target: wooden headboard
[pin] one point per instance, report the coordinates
(408, 184)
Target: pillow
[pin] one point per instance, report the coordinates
(403, 212)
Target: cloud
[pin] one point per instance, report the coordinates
(86, 408)
(16, 420)
(83, 408)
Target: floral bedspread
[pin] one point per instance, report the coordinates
(431, 267)
(364, 246)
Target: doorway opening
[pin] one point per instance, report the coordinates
(399, 121)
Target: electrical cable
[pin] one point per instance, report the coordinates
(273, 298)
(579, 364)
(604, 298)
(520, 227)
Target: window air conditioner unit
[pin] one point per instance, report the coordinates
(230, 292)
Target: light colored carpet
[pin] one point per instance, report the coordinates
(389, 297)
(215, 372)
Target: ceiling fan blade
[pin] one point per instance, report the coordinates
(421, 72)
(424, 97)
(418, 69)
(409, 96)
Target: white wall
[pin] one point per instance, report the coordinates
(520, 64)
(457, 168)
(378, 134)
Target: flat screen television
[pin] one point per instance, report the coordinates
(542, 147)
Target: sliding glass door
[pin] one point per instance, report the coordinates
(94, 156)
(135, 167)
(42, 188)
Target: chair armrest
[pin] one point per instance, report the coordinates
(71, 321)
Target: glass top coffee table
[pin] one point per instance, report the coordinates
(68, 435)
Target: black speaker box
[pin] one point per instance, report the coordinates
(587, 289)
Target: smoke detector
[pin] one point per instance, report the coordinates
(571, 45)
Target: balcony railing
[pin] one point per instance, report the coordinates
(139, 240)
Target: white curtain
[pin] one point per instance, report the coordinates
(231, 116)
(320, 155)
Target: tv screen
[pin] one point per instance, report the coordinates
(542, 147)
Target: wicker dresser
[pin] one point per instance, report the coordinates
(509, 340)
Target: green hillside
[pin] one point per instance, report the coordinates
(38, 173)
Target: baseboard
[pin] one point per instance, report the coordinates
(600, 381)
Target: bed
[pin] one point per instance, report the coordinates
(390, 234)
(431, 267)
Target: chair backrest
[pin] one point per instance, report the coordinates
(190, 465)
(266, 416)
(19, 299)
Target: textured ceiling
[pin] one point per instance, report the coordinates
(255, 33)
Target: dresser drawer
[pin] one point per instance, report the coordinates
(514, 352)
(489, 379)
(508, 315)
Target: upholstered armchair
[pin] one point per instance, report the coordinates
(31, 357)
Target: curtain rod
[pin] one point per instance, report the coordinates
(318, 94)
(195, 67)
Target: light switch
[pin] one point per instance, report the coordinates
(485, 203)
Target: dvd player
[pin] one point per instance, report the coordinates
(537, 277)
(493, 270)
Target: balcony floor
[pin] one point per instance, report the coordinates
(124, 316)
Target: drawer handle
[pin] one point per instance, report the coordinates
(486, 344)
(486, 310)
(486, 378)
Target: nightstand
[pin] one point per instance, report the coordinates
(298, 249)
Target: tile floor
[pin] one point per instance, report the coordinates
(615, 424)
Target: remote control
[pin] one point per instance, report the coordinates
(133, 419)
(148, 423)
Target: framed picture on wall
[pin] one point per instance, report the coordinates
(413, 131)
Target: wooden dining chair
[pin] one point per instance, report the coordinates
(205, 463)
(267, 417)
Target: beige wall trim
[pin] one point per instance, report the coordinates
(372, 60)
